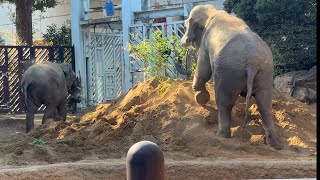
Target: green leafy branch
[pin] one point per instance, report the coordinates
(154, 53)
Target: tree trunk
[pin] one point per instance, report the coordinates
(24, 21)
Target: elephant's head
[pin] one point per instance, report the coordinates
(73, 83)
(76, 91)
(195, 25)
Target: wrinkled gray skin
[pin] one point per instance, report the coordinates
(49, 84)
(239, 60)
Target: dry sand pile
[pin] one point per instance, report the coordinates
(166, 114)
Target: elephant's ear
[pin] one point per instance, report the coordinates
(194, 32)
(198, 33)
(67, 70)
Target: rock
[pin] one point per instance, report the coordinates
(301, 85)
(301, 94)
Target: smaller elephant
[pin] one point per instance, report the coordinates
(49, 84)
(239, 61)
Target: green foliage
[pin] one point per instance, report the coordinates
(288, 27)
(164, 85)
(154, 53)
(243, 8)
(40, 5)
(58, 36)
(38, 142)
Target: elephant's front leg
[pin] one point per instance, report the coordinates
(49, 114)
(202, 75)
(62, 110)
(224, 118)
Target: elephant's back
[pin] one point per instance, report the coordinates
(44, 70)
(245, 49)
(44, 75)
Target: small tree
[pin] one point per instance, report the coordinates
(154, 53)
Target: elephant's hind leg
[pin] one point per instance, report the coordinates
(263, 95)
(31, 109)
(29, 121)
(263, 98)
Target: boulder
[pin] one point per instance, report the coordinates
(301, 85)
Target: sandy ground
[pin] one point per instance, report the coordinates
(175, 170)
(93, 145)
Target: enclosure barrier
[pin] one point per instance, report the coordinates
(145, 161)
(14, 60)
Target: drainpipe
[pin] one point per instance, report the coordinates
(128, 7)
(79, 11)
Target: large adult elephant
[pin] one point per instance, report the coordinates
(49, 84)
(239, 60)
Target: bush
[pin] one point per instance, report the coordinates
(58, 36)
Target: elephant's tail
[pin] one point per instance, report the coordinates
(30, 103)
(250, 77)
(24, 88)
(25, 93)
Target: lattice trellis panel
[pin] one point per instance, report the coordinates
(118, 56)
(142, 31)
(41, 54)
(137, 34)
(105, 66)
(14, 82)
(3, 99)
(14, 60)
(4, 84)
(100, 79)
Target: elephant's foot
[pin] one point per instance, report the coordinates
(58, 118)
(46, 120)
(273, 142)
(202, 97)
(224, 134)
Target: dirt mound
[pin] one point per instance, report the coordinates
(167, 114)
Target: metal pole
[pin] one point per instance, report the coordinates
(145, 161)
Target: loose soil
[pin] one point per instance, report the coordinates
(167, 114)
